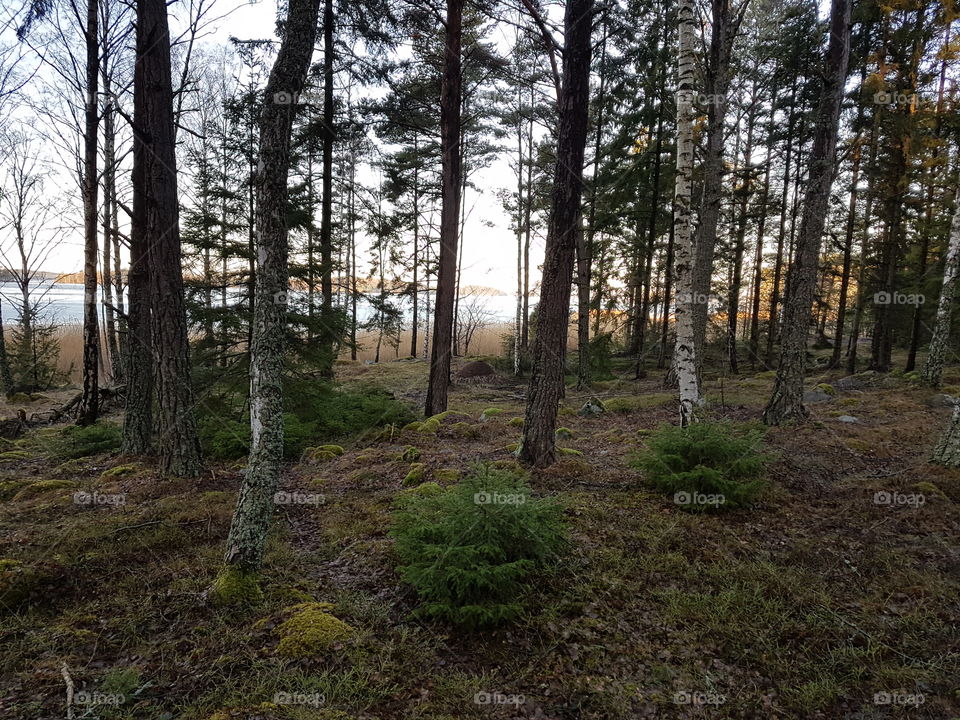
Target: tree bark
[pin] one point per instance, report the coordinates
(550, 343)
(178, 446)
(439, 382)
(251, 518)
(933, 369)
(786, 403)
(89, 403)
(685, 349)
(328, 335)
(733, 301)
(947, 450)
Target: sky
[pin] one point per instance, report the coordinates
(489, 246)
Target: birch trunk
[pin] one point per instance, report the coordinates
(685, 362)
(251, 518)
(786, 402)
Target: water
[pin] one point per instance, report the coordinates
(62, 303)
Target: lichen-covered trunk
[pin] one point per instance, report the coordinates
(109, 208)
(251, 518)
(684, 352)
(89, 403)
(450, 185)
(933, 369)
(786, 403)
(947, 450)
(178, 445)
(563, 226)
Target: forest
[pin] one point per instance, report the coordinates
(441, 359)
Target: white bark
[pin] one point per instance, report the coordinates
(684, 351)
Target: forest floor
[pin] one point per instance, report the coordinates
(817, 602)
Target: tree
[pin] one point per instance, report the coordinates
(685, 349)
(563, 227)
(786, 403)
(933, 369)
(450, 188)
(156, 213)
(251, 518)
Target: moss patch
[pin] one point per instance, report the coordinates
(41, 487)
(311, 631)
(415, 475)
(235, 588)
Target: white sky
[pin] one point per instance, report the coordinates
(489, 247)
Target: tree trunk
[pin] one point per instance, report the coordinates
(758, 253)
(947, 451)
(439, 382)
(787, 400)
(89, 403)
(847, 254)
(550, 344)
(933, 369)
(667, 289)
(109, 207)
(685, 349)
(733, 301)
(178, 445)
(328, 335)
(251, 518)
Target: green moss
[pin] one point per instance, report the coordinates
(17, 582)
(19, 398)
(14, 455)
(311, 631)
(489, 413)
(322, 453)
(412, 427)
(409, 454)
(516, 422)
(234, 588)
(447, 475)
(120, 470)
(426, 489)
(416, 474)
(569, 451)
(41, 487)
(827, 388)
(930, 490)
(513, 447)
(430, 425)
(566, 411)
(563, 433)
(464, 430)
(9, 488)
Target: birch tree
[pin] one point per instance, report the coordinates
(685, 361)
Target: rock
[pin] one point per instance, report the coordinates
(592, 407)
(847, 419)
(943, 400)
(476, 371)
(816, 395)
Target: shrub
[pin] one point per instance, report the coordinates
(77, 441)
(468, 549)
(705, 459)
